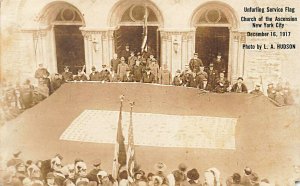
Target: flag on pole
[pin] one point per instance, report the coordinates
(130, 149)
(145, 30)
(120, 151)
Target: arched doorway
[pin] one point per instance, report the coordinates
(136, 24)
(66, 41)
(214, 23)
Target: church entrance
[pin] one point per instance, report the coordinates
(133, 36)
(69, 47)
(210, 41)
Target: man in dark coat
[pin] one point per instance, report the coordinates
(80, 76)
(126, 53)
(257, 90)
(67, 75)
(222, 84)
(193, 80)
(94, 75)
(219, 63)
(177, 80)
(195, 63)
(239, 87)
(271, 91)
(212, 77)
(56, 82)
(92, 175)
(26, 94)
(114, 64)
(148, 77)
(137, 71)
(105, 75)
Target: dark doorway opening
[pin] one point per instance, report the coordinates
(69, 47)
(210, 41)
(133, 35)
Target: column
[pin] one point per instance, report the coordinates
(184, 55)
(233, 56)
(241, 54)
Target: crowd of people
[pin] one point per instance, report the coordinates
(135, 68)
(52, 172)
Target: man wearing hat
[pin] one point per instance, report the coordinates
(219, 63)
(193, 80)
(67, 75)
(160, 168)
(148, 77)
(212, 77)
(131, 60)
(239, 87)
(105, 75)
(177, 80)
(195, 63)
(154, 68)
(257, 90)
(202, 77)
(41, 72)
(56, 82)
(138, 71)
(80, 76)
(122, 68)
(271, 91)
(92, 175)
(126, 53)
(94, 75)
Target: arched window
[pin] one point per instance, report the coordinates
(135, 14)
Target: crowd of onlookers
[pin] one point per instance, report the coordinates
(53, 172)
(135, 68)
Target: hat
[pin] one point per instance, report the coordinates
(247, 170)
(97, 162)
(193, 174)
(148, 69)
(257, 84)
(182, 167)
(270, 83)
(123, 174)
(127, 44)
(103, 65)
(240, 78)
(82, 181)
(178, 71)
(195, 53)
(160, 166)
(211, 64)
(50, 175)
(93, 68)
(16, 154)
(102, 174)
(219, 54)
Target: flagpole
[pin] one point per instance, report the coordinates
(130, 149)
(116, 166)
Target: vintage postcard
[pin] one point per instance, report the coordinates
(150, 92)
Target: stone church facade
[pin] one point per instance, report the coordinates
(89, 32)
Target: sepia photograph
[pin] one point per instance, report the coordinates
(149, 93)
